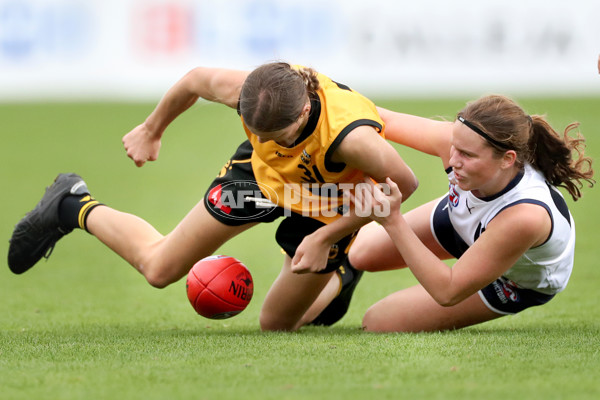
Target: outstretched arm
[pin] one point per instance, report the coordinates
(213, 84)
(423, 134)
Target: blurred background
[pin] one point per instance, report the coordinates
(135, 49)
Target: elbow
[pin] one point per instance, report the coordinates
(415, 185)
(447, 300)
(409, 188)
(447, 303)
(446, 295)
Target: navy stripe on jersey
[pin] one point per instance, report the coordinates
(444, 231)
(560, 203)
(536, 202)
(342, 86)
(514, 182)
(337, 167)
(478, 231)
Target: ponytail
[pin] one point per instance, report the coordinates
(553, 156)
(507, 126)
(309, 76)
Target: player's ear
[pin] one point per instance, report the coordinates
(509, 158)
(305, 109)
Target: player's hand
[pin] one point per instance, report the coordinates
(141, 146)
(311, 255)
(380, 202)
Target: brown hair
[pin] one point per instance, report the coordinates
(534, 141)
(274, 94)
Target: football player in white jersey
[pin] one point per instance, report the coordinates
(503, 220)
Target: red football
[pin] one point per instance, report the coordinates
(219, 287)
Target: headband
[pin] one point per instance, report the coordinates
(483, 134)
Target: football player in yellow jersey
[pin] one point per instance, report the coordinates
(307, 137)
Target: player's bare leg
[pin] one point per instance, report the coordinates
(161, 259)
(373, 250)
(290, 297)
(411, 309)
(329, 292)
(414, 310)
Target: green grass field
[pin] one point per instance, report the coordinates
(84, 324)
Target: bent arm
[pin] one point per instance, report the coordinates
(143, 142)
(365, 150)
(212, 84)
(423, 134)
(504, 241)
(311, 255)
(368, 152)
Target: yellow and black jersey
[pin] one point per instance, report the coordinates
(303, 178)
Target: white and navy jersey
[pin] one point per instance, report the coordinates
(545, 268)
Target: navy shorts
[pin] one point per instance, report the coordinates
(232, 199)
(501, 296)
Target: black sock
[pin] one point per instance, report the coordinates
(73, 210)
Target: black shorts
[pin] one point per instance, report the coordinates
(230, 198)
(233, 198)
(501, 296)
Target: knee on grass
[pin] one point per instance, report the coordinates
(159, 275)
(269, 323)
(376, 321)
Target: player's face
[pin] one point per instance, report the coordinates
(287, 136)
(284, 137)
(476, 167)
